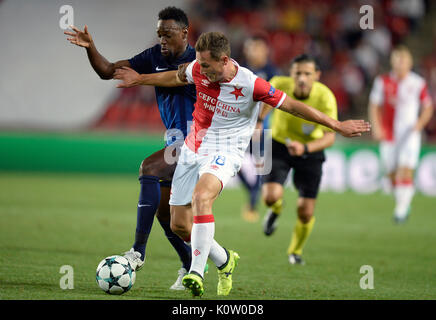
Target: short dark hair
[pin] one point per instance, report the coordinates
(216, 42)
(176, 14)
(259, 36)
(302, 58)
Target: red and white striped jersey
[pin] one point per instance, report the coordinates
(400, 101)
(225, 113)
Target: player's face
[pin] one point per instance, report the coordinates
(256, 52)
(304, 74)
(209, 67)
(401, 62)
(172, 37)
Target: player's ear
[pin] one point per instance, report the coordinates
(317, 75)
(224, 59)
(185, 33)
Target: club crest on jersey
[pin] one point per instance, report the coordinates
(307, 128)
(271, 91)
(237, 92)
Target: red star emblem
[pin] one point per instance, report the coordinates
(237, 92)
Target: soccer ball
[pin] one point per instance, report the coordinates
(115, 275)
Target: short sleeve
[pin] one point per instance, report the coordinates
(189, 72)
(424, 96)
(142, 62)
(376, 95)
(265, 92)
(330, 108)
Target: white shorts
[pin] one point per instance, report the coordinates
(190, 167)
(402, 153)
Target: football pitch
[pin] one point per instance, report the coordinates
(51, 220)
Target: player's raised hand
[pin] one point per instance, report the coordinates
(128, 76)
(353, 128)
(79, 38)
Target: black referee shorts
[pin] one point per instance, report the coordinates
(307, 170)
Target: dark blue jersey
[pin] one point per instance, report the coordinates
(175, 104)
(266, 72)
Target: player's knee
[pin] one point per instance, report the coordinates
(305, 218)
(201, 199)
(179, 227)
(270, 199)
(148, 168)
(404, 174)
(305, 212)
(271, 193)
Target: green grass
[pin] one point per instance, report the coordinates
(50, 220)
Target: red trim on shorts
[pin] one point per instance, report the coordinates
(204, 219)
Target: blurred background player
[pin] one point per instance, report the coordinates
(256, 53)
(395, 103)
(299, 145)
(175, 106)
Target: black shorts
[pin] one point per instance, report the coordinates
(306, 174)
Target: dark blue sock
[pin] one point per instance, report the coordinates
(253, 189)
(243, 180)
(254, 193)
(183, 250)
(149, 198)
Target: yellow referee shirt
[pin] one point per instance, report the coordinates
(285, 125)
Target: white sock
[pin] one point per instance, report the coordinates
(202, 234)
(404, 192)
(217, 254)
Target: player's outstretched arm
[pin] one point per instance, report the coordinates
(79, 38)
(102, 67)
(131, 78)
(348, 128)
(265, 109)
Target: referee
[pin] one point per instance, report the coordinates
(299, 145)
